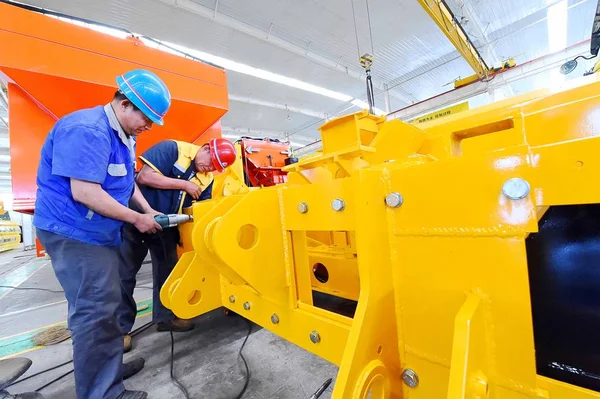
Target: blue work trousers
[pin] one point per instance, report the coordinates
(89, 275)
(133, 251)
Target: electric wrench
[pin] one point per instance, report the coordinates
(172, 220)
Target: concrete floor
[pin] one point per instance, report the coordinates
(206, 359)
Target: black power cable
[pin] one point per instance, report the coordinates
(175, 380)
(30, 288)
(133, 333)
(240, 354)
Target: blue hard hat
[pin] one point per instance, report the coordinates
(147, 92)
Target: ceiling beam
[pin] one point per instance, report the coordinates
(269, 37)
(519, 72)
(284, 107)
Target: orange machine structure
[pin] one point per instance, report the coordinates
(263, 160)
(53, 68)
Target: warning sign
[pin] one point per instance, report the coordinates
(455, 109)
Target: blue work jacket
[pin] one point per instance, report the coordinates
(84, 145)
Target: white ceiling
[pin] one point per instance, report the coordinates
(315, 42)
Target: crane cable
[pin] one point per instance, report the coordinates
(366, 60)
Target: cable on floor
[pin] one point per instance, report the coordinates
(240, 354)
(54, 380)
(175, 380)
(31, 288)
(41, 372)
(133, 333)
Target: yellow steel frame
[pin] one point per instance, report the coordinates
(426, 240)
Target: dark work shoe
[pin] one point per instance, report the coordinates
(133, 367)
(133, 395)
(177, 325)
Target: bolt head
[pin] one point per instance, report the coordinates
(232, 299)
(303, 207)
(394, 200)
(516, 188)
(315, 337)
(247, 305)
(338, 205)
(275, 319)
(410, 378)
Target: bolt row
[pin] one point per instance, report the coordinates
(409, 376)
(514, 189)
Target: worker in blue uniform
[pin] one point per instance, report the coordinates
(85, 183)
(174, 173)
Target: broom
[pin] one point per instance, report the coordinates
(57, 334)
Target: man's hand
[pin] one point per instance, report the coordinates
(153, 212)
(145, 223)
(192, 189)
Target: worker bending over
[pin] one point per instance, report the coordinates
(85, 183)
(173, 174)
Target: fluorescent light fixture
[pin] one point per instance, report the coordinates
(557, 25)
(260, 73)
(363, 105)
(230, 65)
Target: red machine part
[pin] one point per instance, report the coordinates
(263, 160)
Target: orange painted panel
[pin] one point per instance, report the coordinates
(29, 125)
(55, 68)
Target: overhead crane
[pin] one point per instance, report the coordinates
(441, 14)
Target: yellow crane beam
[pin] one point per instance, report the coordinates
(444, 18)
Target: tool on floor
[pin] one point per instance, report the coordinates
(172, 220)
(321, 389)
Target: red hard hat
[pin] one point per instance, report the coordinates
(222, 152)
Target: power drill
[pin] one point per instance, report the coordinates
(172, 220)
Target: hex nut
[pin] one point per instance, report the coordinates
(394, 200)
(338, 204)
(410, 378)
(275, 318)
(516, 188)
(315, 337)
(247, 305)
(303, 207)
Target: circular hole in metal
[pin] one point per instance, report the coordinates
(247, 236)
(320, 272)
(195, 297)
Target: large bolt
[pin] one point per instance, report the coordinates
(275, 318)
(410, 378)
(315, 337)
(338, 204)
(303, 207)
(247, 305)
(394, 200)
(515, 188)
(232, 299)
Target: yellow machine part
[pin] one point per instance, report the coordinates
(10, 235)
(425, 227)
